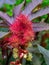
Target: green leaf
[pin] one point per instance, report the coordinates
(10, 13)
(36, 60)
(45, 53)
(27, 1)
(18, 2)
(36, 20)
(44, 16)
(47, 42)
(45, 3)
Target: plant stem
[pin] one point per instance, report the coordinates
(8, 58)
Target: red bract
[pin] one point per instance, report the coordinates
(22, 31)
(17, 62)
(13, 41)
(12, 63)
(21, 53)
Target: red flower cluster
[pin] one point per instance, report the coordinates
(15, 63)
(21, 53)
(22, 31)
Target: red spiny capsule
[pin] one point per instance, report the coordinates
(22, 29)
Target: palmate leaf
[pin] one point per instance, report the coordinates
(40, 26)
(3, 25)
(45, 53)
(28, 9)
(5, 17)
(39, 13)
(2, 34)
(17, 9)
